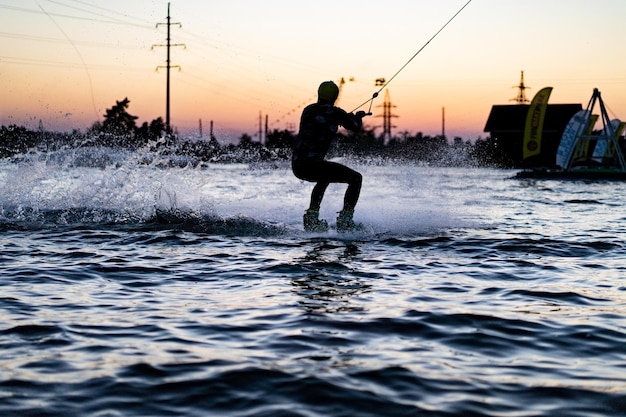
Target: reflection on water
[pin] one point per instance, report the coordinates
(328, 283)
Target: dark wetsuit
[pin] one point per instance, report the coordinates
(318, 128)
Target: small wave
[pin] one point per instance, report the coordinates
(213, 224)
(560, 297)
(29, 218)
(32, 331)
(582, 201)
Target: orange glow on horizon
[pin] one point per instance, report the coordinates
(68, 65)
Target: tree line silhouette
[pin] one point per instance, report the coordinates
(119, 129)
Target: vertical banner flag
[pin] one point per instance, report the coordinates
(534, 123)
(576, 125)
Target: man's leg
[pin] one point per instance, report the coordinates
(324, 173)
(312, 222)
(353, 192)
(317, 195)
(334, 172)
(339, 173)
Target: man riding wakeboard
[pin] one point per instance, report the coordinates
(318, 128)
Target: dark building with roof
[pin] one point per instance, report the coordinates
(506, 123)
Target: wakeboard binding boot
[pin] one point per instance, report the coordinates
(345, 223)
(312, 223)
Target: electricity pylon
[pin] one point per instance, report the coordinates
(387, 115)
(168, 65)
(521, 95)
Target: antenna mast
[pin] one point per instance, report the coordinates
(168, 66)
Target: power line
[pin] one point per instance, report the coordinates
(34, 38)
(61, 64)
(66, 16)
(80, 56)
(99, 8)
(83, 10)
(385, 84)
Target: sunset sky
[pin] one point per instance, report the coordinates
(65, 62)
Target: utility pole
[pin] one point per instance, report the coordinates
(443, 122)
(168, 66)
(212, 139)
(387, 106)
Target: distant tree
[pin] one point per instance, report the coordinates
(213, 143)
(279, 139)
(245, 141)
(157, 127)
(118, 121)
(16, 140)
(143, 132)
(152, 131)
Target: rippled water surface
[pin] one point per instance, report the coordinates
(133, 290)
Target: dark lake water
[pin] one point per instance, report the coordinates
(470, 293)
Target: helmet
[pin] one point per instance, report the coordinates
(328, 91)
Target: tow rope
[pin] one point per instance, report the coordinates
(386, 83)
